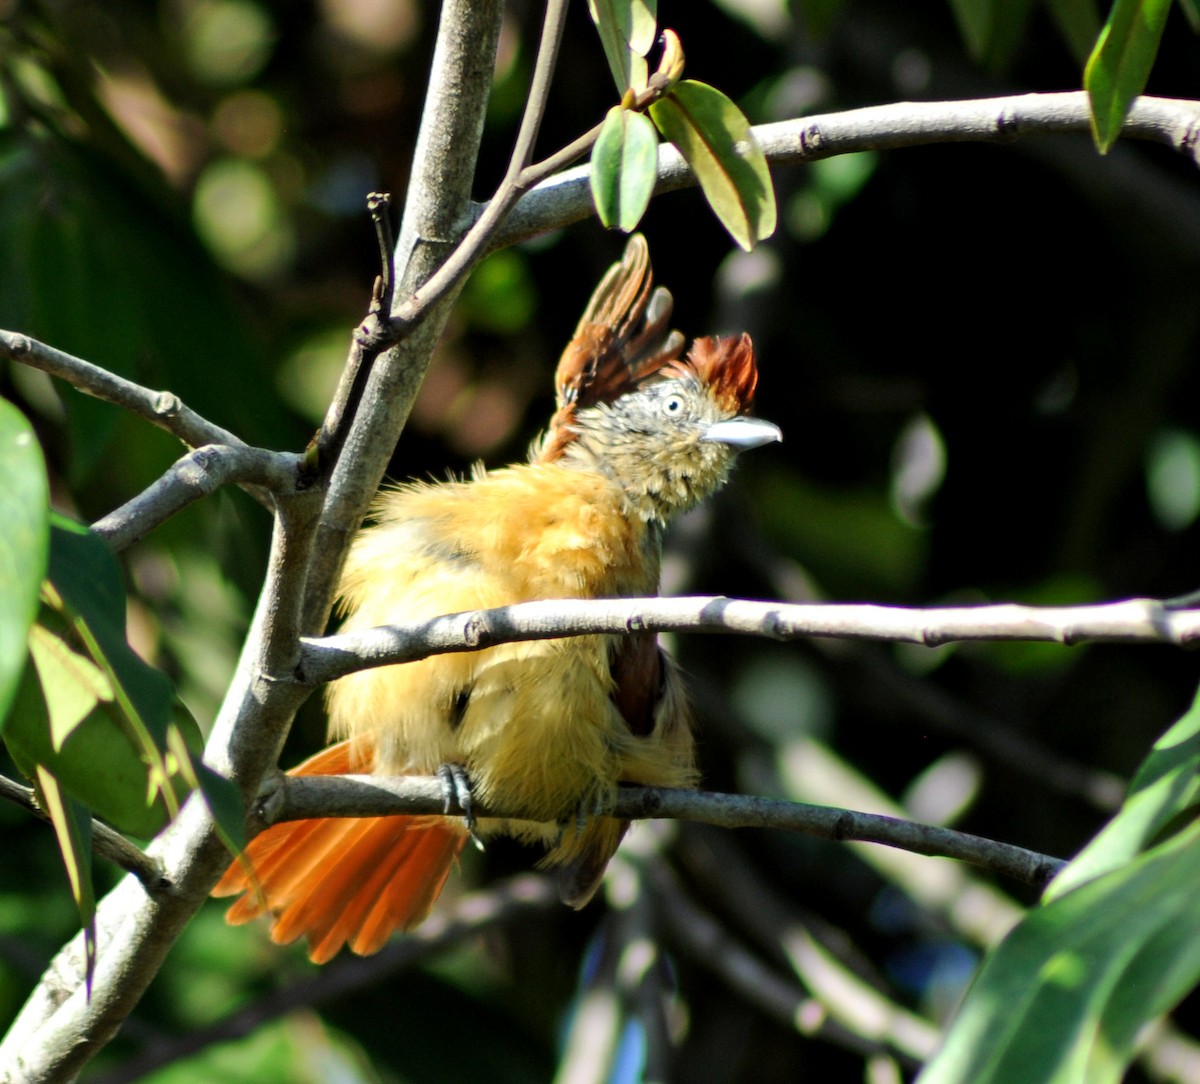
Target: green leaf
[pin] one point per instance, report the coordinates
(627, 31)
(73, 826)
(1120, 64)
(72, 685)
(24, 537)
(1164, 789)
(88, 579)
(715, 139)
(96, 762)
(89, 709)
(624, 168)
(1064, 996)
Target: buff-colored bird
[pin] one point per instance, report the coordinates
(549, 727)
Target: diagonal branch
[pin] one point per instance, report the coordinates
(303, 797)
(162, 408)
(107, 843)
(196, 475)
(436, 212)
(1147, 621)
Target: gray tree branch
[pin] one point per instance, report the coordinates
(302, 797)
(566, 197)
(1147, 621)
(162, 408)
(196, 475)
(62, 1025)
(436, 213)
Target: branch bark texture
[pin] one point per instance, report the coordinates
(1147, 621)
(302, 797)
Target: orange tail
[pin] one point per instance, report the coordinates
(343, 880)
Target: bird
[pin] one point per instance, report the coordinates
(641, 432)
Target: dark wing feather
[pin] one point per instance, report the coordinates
(638, 674)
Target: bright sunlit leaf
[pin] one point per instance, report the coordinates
(95, 763)
(715, 138)
(1065, 995)
(624, 168)
(1115, 944)
(627, 30)
(73, 827)
(1120, 64)
(72, 685)
(24, 536)
(89, 710)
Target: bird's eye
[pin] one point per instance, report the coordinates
(673, 404)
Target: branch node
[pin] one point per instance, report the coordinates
(810, 141)
(1008, 124)
(272, 796)
(475, 630)
(167, 404)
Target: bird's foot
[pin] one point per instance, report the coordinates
(594, 804)
(456, 793)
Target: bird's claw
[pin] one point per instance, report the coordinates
(590, 807)
(456, 793)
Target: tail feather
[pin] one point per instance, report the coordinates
(413, 881)
(344, 880)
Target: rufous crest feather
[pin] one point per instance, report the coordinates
(622, 339)
(727, 368)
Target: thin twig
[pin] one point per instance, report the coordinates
(162, 408)
(107, 843)
(374, 335)
(1147, 621)
(198, 474)
(379, 207)
(304, 797)
(519, 177)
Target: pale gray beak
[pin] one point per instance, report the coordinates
(743, 433)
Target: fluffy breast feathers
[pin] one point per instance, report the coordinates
(535, 724)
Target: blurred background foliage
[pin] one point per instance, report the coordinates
(982, 361)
